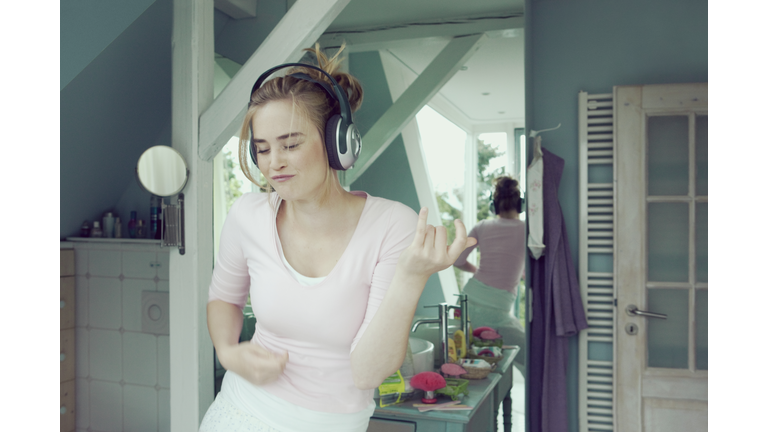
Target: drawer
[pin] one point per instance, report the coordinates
(67, 303)
(67, 355)
(67, 262)
(67, 406)
(387, 425)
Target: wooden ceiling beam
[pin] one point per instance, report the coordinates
(431, 80)
(374, 39)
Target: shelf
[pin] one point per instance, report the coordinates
(113, 240)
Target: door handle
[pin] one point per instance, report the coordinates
(633, 310)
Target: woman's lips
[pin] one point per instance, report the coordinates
(282, 178)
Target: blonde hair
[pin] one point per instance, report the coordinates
(308, 99)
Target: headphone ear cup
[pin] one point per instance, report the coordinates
(492, 206)
(253, 155)
(520, 205)
(332, 138)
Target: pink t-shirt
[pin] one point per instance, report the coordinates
(502, 252)
(318, 325)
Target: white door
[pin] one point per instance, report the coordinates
(661, 262)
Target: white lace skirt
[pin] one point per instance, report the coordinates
(222, 416)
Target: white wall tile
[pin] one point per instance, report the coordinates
(106, 357)
(104, 263)
(132, 289)
(104, 303)
(139, 409)
(81, 301)
(106, 410)
(164, 410)
(81, 352)
(164, 258)
(164, 361)
(139, 358)
(81, 261)
(140, 265)
(82, 404)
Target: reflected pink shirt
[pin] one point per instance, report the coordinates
(502, 252)
(320, 325)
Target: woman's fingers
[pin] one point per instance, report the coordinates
(461, 241)
(441, 238)
(429, 237)
(421, 227)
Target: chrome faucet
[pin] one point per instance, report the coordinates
(443, 321)
(464, 315)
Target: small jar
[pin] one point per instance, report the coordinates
(85, 229)
(96, 230)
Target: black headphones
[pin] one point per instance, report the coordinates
(342, 139)
(519, 207)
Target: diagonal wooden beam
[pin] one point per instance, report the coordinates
(301, 26)
(373, 39)
(392, 122)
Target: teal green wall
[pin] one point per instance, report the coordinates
(390, 175)
(593, 45)
(87, 27)
(115, 98)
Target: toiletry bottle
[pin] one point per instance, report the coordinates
(141, 229)
(132, 225)
(118, 228)
(154, 217)
(109, 225)
(85, 229)
(96, 231)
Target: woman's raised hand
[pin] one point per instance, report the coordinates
(429, 252)
(253, 362)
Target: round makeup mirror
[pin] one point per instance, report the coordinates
(162, 171)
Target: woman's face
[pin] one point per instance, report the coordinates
(290, 151)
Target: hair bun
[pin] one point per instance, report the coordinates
(332, 66)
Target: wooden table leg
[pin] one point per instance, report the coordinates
(507, 412)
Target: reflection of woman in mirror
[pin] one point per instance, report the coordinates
(492, 291)
(334, 276)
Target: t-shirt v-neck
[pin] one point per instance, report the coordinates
(306, 280)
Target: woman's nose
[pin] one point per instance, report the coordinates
(277, 160)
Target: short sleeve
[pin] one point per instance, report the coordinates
(400, 231)
(231, 280)
(475, 233)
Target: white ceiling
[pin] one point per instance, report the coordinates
(427, 25)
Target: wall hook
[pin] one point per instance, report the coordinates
(534, 133)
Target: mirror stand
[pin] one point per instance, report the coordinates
(173, 224)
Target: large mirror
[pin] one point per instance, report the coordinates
(162, 171)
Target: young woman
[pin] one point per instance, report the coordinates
(334, 276)
(492, 291)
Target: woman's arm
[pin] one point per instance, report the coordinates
(467, 267)
(247, 359)
(381, 349)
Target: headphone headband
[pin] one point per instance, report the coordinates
(340, 95)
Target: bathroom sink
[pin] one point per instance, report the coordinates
(423, 354)
(431, 332)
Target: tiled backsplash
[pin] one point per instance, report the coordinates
(122, 374)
